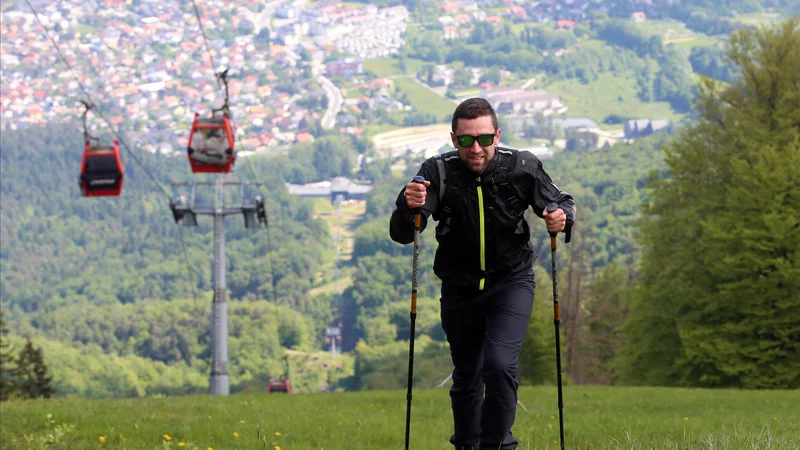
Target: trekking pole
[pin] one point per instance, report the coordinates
(557, 321)
(414, 270)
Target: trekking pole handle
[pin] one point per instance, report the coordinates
(552, 207)
(421, 180)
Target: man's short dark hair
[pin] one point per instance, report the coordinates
(472, 108)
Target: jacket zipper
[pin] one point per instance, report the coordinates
(481, 236)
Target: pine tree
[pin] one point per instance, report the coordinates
(719, 303)
(33, 379)
(6, 357)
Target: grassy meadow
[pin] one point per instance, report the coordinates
(609, 94)
(390, 67)
(595, 418)
(422, 99)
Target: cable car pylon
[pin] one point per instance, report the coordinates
(185, 211)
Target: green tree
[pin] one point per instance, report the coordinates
(6, 357)
(719, 303)
(263, 36)
(31, 373)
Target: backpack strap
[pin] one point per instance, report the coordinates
(502, 178)
(453, 181)
(442, 176)
(448, 185)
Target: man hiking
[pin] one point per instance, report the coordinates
(478, 194)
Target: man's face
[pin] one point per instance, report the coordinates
(475, 155)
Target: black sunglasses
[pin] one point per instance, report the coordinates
(484, 140)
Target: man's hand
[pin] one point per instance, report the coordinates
(555, 221)
(415, 194)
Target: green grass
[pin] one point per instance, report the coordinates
(609, 94)
(371, 130)
(668, 30)
(86, 29)
(699, 41)
(521, 142)
(422, 99)
(338, 221)
(471, 92)
(594, 418)
(518, 27)
(757, 18)
(388, 67)
(596, 44)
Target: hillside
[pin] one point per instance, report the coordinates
(111, 261)
(109, 277)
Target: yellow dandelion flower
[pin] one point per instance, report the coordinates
(181, 444)
(209, 417)
(277, 447)
(552, 417)
(235, 434)
(167, 437)
(102, 439)
(242, 422)
(277, 433)
(685, 418)
(774, 418)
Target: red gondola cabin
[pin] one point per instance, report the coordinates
(279, 385)
(211, 144)
(101, 170)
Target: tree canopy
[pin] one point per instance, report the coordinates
(719, 300)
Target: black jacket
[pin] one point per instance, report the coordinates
(474, 251)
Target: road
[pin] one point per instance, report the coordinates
(335, 102)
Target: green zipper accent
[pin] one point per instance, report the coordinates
(482, 234)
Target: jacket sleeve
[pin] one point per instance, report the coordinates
(541, 191)
(401, 225)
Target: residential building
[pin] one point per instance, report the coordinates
(515, 100)
(345, 67)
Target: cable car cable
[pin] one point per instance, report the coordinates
(205, 38)
(218, 75)
(91, 105)
(89, 98)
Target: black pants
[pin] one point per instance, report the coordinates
(485, 331)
